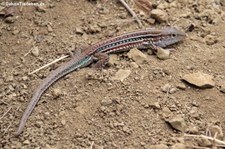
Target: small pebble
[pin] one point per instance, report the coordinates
(10, 20)
(9, 78)
(39, 124)
(121, 75)
(113, 59)
(49, 28)
(26, 142)
(24, 78)
(200, 80)
(158, 146)
(178, 123)
(163, 54)
(172, 90)
(41, 8)
(210, 39)
(35, 51)
(159, 15)
(166, 88)
(181, 86)
(63, 122)
(134, 65)
(193, 130)
(80, 110)
(79, 31)
(137, 56)
(204, 142)
(106, 102)
(57, 92)
(155, 105)
(14, 32)
(178, 146)
(222, 88)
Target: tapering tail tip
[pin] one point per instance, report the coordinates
(18, 131)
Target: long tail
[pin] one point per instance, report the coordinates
(76, 62)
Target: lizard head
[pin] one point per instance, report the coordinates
(169, 36)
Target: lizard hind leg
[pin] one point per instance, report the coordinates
(102, 60)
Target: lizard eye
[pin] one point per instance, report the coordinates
(174, 35)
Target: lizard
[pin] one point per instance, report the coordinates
(147, 38)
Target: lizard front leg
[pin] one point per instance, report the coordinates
(102, 60)
(154, 48)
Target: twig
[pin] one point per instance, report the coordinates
(92, 144)
(206, 137)
(197, 147)
(65, 56)
(7, 129)
(6, 113)
(214, 142)
(27, 53)
(131, 12)
(3, 102)
(220, 146)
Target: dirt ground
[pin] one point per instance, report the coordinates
(87, 109)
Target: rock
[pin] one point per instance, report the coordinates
(113, 59)
(163, 6)
(203, 142)
(222, 88)
(35, 51)
(137, 56)
(174, 4)
(2, 10)
(93, 28)
(163, 54)
(166, 111)
(121, 75)
(193, 130)
(41, 8)
(80, 110)
(158, 146)
(199, 79)
(215, 130)
(106, 102)
(9, 78)
(11, 88)
(178, 123)
(25, 78)
(178, 146)
(49, 28)
(181, 86)
(57, 93)
(155, 105)
(26, 142)
(172, 90)
(16, 31)
(210, 39)
(47, 146)
(38, 124)
(134, 65)
(150, 21)
(159, 15)
(166, 88)
(63, 122)
(10, 19)
(79, 31)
